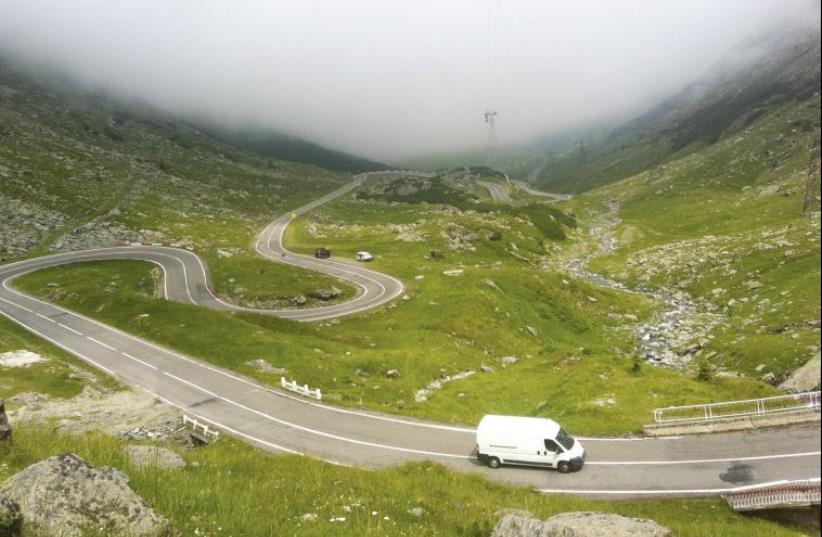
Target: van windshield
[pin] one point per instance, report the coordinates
(565, 439)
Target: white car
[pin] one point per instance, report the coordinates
(364, 256)
(527, 442)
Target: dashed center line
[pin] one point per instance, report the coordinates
(106, 345)
(130, 357)
(70, 329)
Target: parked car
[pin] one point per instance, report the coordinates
(322, 253)
(523, 441)
(364, 256)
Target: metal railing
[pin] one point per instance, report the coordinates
(733, 409)
(202, 430)
(773, 495)
(292, 385)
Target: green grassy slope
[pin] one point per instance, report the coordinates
(79, 171)
(726, 225)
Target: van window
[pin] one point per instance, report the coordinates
(565, 439)
(550, 445)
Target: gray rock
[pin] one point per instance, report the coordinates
(393, 373)
(154, 456)
(5, 428)
(486, 368)
(532, 330)
(579, 524)
(10, 517)
(263, 366)
(325, 294)
(63, 495)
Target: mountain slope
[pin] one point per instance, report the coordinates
(79, 171)
(758, 76)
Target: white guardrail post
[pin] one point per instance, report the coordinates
(291, 385)
(808, 401)
(200, 430)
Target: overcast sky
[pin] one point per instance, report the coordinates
(389, 78)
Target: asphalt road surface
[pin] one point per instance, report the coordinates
(279, 421)
(497, 191)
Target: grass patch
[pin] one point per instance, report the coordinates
(230, 488)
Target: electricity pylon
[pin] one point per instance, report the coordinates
(492, 153)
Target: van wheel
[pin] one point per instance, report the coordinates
(493, 462)
(564, 467)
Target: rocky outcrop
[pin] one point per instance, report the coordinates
(10, 517)
(805, 378)
(154, 457)
(63, 495)
(5, 428)
(578, 524)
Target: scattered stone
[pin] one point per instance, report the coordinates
(309, 517)
(592, 299)
(154, 456)
(578, 524)
(128, 414)
(10, 517)
(64, 495)
(20, 358)
(393, 373)
(753, 284)
(263, 366)
(760, 368)
(452, 272)
(486, 368)
(416, 512)
(421, 395)
(531, 330)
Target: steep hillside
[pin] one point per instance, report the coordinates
(728, 225)
(79, 171)
(281, 146)
(759, 76)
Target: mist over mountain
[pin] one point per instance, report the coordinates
(389, 81)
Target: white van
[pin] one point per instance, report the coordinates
(527, 442)
(364, 256)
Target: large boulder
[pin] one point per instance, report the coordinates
(64, 495)
(5, 428)
(578, 524)
(10, 517)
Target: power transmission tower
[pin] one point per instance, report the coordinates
(492, 153)
(812, 187)
(581, 153)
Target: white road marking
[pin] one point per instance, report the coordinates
(130, 357)
(64, 347)
(704, 461)
(712, 491)
(49, 319)
(106, 345)
(70, 329)
(314, 431)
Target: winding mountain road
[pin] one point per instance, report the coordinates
(278, 421)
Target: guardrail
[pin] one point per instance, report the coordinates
(200, 430)
(734, 409)
(292, 385)
(775, 495)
